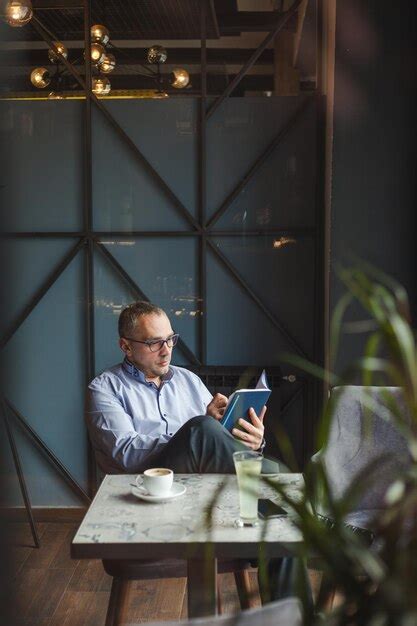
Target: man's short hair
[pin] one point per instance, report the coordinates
(128, 318)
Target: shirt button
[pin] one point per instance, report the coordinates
(170, 434)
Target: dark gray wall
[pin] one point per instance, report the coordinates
(374, 154)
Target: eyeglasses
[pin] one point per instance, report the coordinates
(155, 345)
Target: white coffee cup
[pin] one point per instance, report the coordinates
(157, 481)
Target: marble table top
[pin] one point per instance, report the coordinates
(118, 525)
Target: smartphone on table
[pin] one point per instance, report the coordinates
(268, 509)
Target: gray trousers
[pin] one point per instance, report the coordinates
(202, 446)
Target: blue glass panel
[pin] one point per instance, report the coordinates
(126, 197)
(237, 135)
(282, 194)
(111, 296)
(45, 378)
(178, 358)
(166, 277)
(283, 279)
(41, 179)
(238, 331)
(29, 263)
(46, 486)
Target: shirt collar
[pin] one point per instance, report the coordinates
(139, 375)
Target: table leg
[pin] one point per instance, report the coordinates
(202, 587)
(118, 602)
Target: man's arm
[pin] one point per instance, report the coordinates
(113, 437)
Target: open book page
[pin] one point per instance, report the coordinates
(262, 382)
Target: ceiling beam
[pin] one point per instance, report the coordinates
(135, 56)
(248, 41)
(215, 84)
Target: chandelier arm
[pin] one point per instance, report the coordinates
(156, 76)
(151, 72)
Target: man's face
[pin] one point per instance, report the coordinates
(149, 327)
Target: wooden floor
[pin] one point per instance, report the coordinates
(53, 590)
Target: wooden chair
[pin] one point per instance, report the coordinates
(124, 572)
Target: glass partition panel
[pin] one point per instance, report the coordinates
(46, 372)
(29, 263)
(282, 276)
(126, 196)
(45, 485)
(164, 276)
(239, 332)
(111, 296)
(282, 193)
(237, 135)
(41, 179)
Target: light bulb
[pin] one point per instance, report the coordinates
(39, 77)
(97, 53)
(100, 34)
(17, 12)
(107, 63)
(157, 54)
(53, 56)
(181, 78)
(101, 85)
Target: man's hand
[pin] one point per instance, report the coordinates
(217, 406)
(253, 434)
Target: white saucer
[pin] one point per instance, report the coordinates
(177, 490)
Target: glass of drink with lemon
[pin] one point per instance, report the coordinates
(248, 465)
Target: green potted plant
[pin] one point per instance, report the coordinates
(374, 572)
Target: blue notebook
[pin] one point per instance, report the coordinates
(242, 400)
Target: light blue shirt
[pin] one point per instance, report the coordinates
(130, 419)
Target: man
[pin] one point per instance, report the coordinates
(146, 413)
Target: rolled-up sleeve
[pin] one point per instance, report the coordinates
(117, 446)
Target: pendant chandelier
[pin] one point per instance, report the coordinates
(18, 13)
